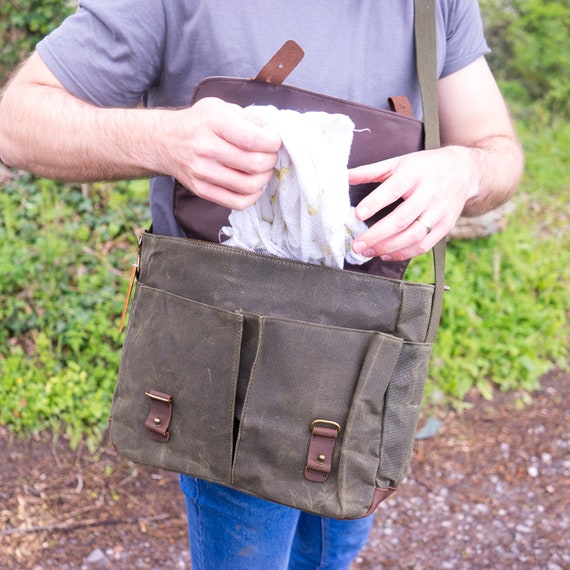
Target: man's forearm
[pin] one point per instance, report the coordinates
(499, 162)
(74, 141)
(475, 121)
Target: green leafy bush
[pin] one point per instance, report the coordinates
(530, 40)
(65, 252)
(23, 23)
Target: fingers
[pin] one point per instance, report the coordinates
(399, 235)
(433, 188)
(235, 138)
(226, 186)
(393, 189)
(416, 238)
(376, 172)
(246, 130)
(228, 155)
(230, 176)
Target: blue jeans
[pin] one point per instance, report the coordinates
(229, 530)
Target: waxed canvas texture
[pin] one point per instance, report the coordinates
(253, 348)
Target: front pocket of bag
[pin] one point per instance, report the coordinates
(189, 351)
(305, 372)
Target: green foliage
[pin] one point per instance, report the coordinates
(530, 40)
(23, 23)
(65, 253)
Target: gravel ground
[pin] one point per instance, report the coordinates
(490, 490)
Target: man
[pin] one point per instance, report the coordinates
(106, 97)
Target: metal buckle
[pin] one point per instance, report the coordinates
(326, 423)
(158, 398)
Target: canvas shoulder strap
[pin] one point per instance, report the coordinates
(426, 64)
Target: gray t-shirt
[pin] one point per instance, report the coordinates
(117, 53)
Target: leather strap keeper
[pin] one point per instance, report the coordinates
(400, 104)
(159, 416)
(321, 451)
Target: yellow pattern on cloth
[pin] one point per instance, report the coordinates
(304, 212)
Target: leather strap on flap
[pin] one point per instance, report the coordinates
(159, 416)
(276, 70)
(400, 104)
(321, 450)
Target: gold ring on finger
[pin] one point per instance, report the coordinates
(427, 225)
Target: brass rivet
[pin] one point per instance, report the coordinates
(321, 458)
(157, 422)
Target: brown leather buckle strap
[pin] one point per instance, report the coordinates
(400, 104)
(159, 416)
(276, 70)
(321, 450)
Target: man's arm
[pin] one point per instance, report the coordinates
(478, 168)
(474, 115)
(218, 150)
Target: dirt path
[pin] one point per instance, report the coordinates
(490, 490)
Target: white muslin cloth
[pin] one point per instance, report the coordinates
(304, 212)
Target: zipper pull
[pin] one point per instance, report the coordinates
(134, 274)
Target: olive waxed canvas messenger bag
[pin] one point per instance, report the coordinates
(296, 383)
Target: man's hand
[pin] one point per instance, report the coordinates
(221, 152)
(477, 169)
(434, 186)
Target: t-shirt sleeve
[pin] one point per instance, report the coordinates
(109, 52)
(465, 40)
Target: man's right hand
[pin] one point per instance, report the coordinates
(223, 153)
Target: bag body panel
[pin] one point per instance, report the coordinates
(258, 399)
(350, 304)
(240, 280)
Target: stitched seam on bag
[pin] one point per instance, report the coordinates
(250, 384)
(314, 95)
(235, 375)
(321, 325)
(189, 300)
(426, 345)
(401, 304)
(352, 275)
